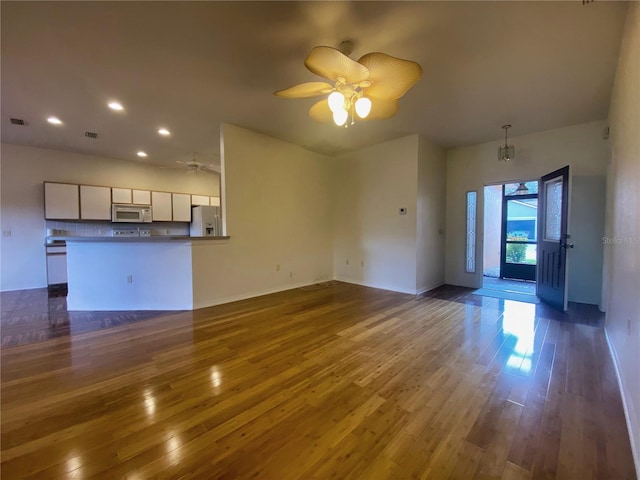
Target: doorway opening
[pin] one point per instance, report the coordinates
(510, 237)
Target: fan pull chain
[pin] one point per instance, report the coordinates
(352, 104)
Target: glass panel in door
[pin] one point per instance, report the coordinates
(519, 231)
(522, 224)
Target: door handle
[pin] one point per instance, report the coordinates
(563, 243)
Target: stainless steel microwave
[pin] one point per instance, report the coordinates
(130, 213)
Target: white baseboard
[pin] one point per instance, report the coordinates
(31, 287)
(245, 296)
(427, 289)
(391, 288)
(629, 412)
(74, 305)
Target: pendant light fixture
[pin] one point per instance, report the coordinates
(521, 190)
(506, 152)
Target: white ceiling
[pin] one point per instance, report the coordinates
(190, 66)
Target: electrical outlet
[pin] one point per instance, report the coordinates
(347, 262)
(629, 326)
(277, 268)
(362, 263)
(403, 211)
(129, 278)
(290, 274)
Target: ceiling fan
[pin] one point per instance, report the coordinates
(194, 166)
(369, 88)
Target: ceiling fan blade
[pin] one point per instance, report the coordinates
(330, 63)
(382, 108)
(390, 77)
(321, 112)
(305, 90)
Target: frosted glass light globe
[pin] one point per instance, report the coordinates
(340, 117)
(363, 107)
(336, 101)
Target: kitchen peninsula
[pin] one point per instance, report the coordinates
(133, 273)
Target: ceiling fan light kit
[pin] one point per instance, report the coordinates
(368, 88)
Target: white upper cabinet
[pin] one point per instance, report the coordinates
(214, 201)
(95, 203)
(66, 201)
(142, 197)
(121, 195)
(199, 200)
(161, 206)
(181, 207)
(61, 201)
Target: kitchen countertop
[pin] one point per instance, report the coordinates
(50, 242)
(57, 241)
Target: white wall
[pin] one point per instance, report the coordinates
(623, 212)
(278, 211)
(370, 186)
(430, 244)
(470, 168)
(588, 194)
(376, 246)
(22, 199)
(283, 206)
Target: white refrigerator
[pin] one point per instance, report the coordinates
(205, 221)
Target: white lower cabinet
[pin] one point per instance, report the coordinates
(56, 265)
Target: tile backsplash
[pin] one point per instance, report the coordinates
(105, 229)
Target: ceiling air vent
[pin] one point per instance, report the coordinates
(91, 134)
(17, 121)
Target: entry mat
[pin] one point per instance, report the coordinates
(519, 297)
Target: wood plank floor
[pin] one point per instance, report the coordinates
(336, 382)
(28, 316)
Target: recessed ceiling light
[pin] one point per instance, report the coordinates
(164, 132)
(116, 106)
(54, 121)
(141, 154)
